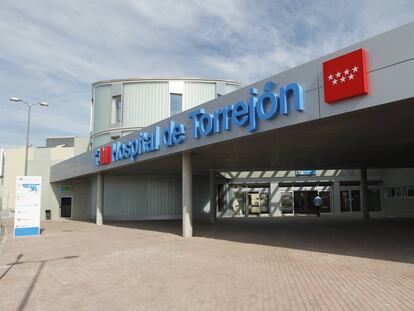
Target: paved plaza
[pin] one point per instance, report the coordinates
(291, 263)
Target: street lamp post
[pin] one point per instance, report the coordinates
(29, 110)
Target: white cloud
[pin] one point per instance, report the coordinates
(53, 50)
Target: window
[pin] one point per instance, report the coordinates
(326, 200)
(116, 115)
(399, 192)
(287, 202)
(176, 103)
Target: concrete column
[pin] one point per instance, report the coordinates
(99, 198)
(364, 194)
(187, 195)
(336, 209)
(275, 199)
(213, 196)
(228, 199)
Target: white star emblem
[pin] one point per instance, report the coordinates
(346, 71)
(338, 74)
(351, 76)
(355, 69)
(330, 77)
(343, 79)
(334, 81)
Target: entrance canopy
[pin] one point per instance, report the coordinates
(368, 138)
(302, 131)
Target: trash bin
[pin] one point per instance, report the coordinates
(48, 214)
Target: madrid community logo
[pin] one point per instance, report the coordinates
(345, 76)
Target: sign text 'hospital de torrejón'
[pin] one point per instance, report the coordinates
(265, 106)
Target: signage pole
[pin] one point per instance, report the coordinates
(27, 138)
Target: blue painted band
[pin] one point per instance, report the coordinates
(26, 231)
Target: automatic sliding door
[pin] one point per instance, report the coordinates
(345, 201)
(356, 200)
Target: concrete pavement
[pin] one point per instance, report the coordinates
(298, 263)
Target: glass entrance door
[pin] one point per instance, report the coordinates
(355, 200)
(258, 203)
(350, 201)
(326, 201)
(345, 201)
(66, 207)
(239, 206)
(304, 202)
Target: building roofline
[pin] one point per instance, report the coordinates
(61, 137)
(138, 79)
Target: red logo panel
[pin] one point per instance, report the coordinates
(345, 76)
(105, 155)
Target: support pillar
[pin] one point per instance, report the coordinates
(213, 196)
(275, 200)
(336, 191)
(364, 194)
(187, 195)
(99, 198)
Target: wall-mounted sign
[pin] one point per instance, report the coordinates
(305, 173)
(65, 188)
(27, 210)
(265, 106)
(345, 76)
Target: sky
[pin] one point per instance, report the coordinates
(54, 50)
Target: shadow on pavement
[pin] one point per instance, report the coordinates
(382, 238)
(11, 265)
(29, 290)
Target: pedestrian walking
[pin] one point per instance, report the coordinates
(317, 202)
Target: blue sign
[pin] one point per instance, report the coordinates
(27, 207)
(265, 106)
(305, 173)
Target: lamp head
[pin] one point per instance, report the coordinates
(15, 99)
(43, 104)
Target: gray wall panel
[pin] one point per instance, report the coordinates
(80, 200)
(101, 139)
(92, 206)
(145, 103)
(201, 196)
(146, 197)
(231, 88)
(142, 197)
(102, 108)
(383, 88)
(197, 93)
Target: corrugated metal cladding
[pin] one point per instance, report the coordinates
(80, 200)
(197, 93)
(148, 197)
(92, 207)
(131, 196)
(102, 108)
(145, 103)
(101, 139)
(231, 88)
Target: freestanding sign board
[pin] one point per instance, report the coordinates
(27, 211)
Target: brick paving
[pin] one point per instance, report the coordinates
(297, 263)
